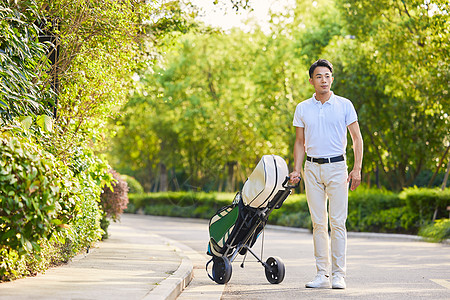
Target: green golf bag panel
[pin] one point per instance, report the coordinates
(220, 227)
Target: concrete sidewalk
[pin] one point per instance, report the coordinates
(131, 264)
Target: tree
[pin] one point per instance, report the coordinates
(402, 53)
(216, 102)
(218, 105)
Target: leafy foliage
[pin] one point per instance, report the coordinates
(32, 196)
(209, 112)
(23, 63)
(396, 71)
(364, 203)
(51, 178)
(437, 232)
(176, 204)
(45, 203)
(406, 212)
(428, 204)
(95, 56)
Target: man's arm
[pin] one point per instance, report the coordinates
(299, 154)
(355, 174)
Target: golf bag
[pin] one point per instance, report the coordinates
(235, 228)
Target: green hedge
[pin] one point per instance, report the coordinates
(382, 211)
(49, 209)
(30, 191)
(370, 210)
(426, 202)
(436, 232)
(176, 204)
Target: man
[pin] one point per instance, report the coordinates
(321, 124)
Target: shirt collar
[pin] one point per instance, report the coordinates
(330, 101)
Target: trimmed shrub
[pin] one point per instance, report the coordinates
(294, 212)
(437, 232)
(394, 220)
(176, 204)
(134, 187)
(48, 211)
(371, 210)
(32, 198)
(84, 228)
(364, 203)
(427, 204)
(300, 219)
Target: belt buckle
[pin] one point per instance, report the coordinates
(321, 161)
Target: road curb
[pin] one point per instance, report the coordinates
(171, 287)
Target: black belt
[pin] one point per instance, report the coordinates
(325, 160)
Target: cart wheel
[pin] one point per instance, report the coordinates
(221, 270)
(274, 270)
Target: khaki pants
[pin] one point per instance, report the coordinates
(322, 180)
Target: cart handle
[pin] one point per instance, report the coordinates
(286, 184)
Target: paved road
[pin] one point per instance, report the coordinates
(377, 268)
(145, 255)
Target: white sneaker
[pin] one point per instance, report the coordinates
(338, 282)
(320, 281)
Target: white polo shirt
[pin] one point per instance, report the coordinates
(325, 125)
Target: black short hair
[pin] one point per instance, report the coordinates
(320, 63)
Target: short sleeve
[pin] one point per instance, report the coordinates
(298, 117)
(350, 116)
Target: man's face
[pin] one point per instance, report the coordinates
(322, 80)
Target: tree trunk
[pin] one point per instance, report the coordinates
(368, 178)
(175, 180)
(377, 177)
(149, 178)
(220, 188)
(155, 185)
(444, 182)
(163, 182)
(242, 174)
(430, 183)
(230, 179)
